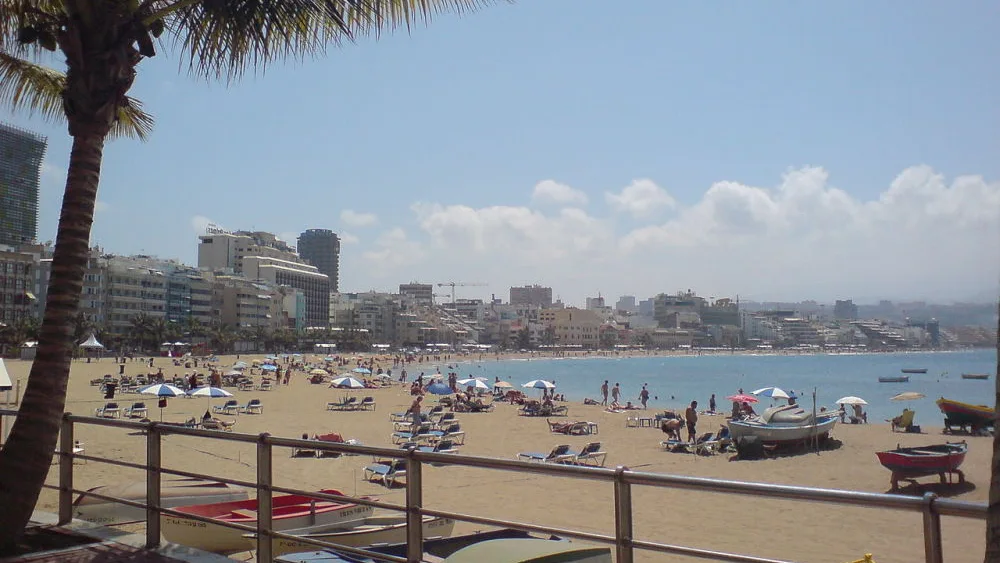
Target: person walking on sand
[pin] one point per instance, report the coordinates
(644, 396)
(604, 393)
(711, 403)
(616, 393)
(414, 411)
(691, 416)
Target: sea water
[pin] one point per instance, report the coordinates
(675, 381)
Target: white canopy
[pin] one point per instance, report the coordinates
(5, 384)
(91, 343)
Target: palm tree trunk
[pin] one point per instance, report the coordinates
(26, 457)
(993, 513)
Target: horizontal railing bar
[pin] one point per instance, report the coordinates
(336, 447)
(703, 553)
(107, 460)
(960, 508)
(340, 498)
(227, 480)
(519, 526)
(338, 547)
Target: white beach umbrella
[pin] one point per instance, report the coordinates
(851, 400)
(209, 392)
(539, 384)
(347, 382)
(162, 390)
(908, 396)
(503, 384)
(475, 383)
(772, 392)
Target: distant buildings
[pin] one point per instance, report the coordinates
(845, 310)
(321, 248)
(21, 154)
(627, 304)
(421, 294)
(531, 295)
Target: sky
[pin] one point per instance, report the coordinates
(770, 150)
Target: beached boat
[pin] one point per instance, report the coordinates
(906, 464)
(975, 376)
(289, 512)
(173, 493)
(782, 425)
(495, 546)
(894, 379)
(377, 529)
(976, 417)
(914, 370)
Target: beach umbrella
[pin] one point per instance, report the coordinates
(539, 384)
(347, 382)
(382, 376)
(743, 398)
(210, 392)
(503, 384)
(240, 365)
(908, 396)
(318, 371)
(475, 383)
(439, 389)
(772, 392)
(234, 372)
(851, 400)
(162, 390)
(361, 370)
(269, 367)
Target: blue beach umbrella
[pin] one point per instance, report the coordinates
(162, 390)
(361, 370)
(772, 392)
(269, 367)
(438, 388)
(209, 392)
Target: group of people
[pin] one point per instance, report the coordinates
(616, 395)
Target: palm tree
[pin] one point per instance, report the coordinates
(102, 44)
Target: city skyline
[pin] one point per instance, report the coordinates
(813, 163)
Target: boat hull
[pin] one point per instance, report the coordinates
(894, 379)
(975, 376)
(923, 461)
(174, 493)
(781, 433)
(914, 370)
(962, 413)
(370, 531)
(289, 512)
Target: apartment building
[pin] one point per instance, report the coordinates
(374, 312)
(314, 285)
(133, 286)
(420, 294)
(573, 327)
(17, 286)
(536, 295)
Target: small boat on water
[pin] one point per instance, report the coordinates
(962, 415)
(785, 424)
(288, 512)
(906, 464)
(496, 546)
(975, 376)
(914, 370)
(376, 529)
(894, 379)
(173, 493)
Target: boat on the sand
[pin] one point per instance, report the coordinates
(288, 512)
(173, 492)
(976, 417)
(906, 464)
(894, 379)
(784, 425)
(377, 529)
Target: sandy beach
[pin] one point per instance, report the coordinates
(779, 529)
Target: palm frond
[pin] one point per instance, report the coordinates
(226, 38)
(38, 90)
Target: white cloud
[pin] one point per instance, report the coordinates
(641, 198)
(199, 223)
(393, 251)
(348, 238)
(354, 219)
(921, 237)
(550, 191)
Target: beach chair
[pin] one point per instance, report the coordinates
(303, 451)
(422, 432)
(245, 385)
(557, 454)
(591, 454)
(706, 444)
(903, 422)
(682, 446)
(332, 437)
(366, 403)
(232, 406)
(345, 405)
(109, 410)
(137, 410)
(453, 432)
(217, 424)
(388, 473)
(253, 406)
(445, 420)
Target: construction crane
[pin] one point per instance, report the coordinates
(453, 285)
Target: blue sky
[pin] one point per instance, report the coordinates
(768, 149)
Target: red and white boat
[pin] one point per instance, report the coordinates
(906, 464)
(289, 512)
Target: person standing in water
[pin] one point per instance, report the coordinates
(604, 393)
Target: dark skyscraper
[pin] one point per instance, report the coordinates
(321, 248)
(21, 154)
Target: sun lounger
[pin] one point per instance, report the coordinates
(557, 455)
(591, 454)
(302, 451)
(422, 432)
(346, 405)
(253, 406)
(903, 422)
(367, 403)
(216, 424)
(389, 474)
(232, 406)
(137, 410)
(109, 410)
(453, 432)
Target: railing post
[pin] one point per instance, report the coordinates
(933, 553)
(153, 465)
(66, 470)
(623, 517)
(414, 500)
(264, 507)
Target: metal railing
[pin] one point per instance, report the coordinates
(930, 505)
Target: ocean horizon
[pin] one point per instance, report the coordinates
(674, 381)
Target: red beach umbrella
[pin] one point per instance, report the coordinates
(743, 398)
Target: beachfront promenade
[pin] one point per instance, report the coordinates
(679, 517)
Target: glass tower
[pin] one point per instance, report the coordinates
(21, 154)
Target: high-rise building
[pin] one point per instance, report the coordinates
(321, 248)
(531, 295)
(21, 154)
